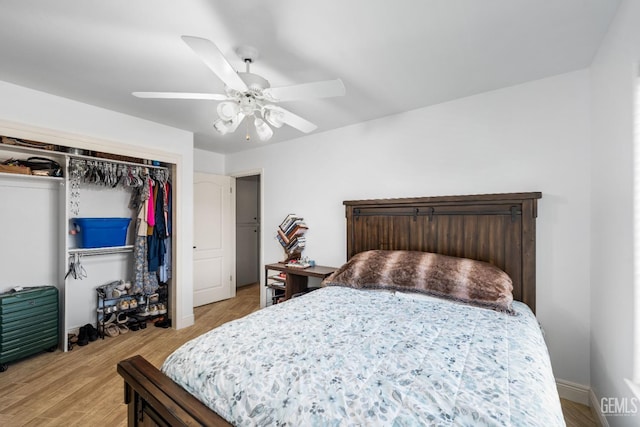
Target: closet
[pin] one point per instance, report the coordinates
(40, 242)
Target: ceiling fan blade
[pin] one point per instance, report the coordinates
(322, 89)
(181, 95)
(295, 121)
(215, 60)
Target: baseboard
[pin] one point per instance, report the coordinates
(595, 408)
(185, 322)
(574, 392)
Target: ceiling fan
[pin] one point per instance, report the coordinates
(250, 95)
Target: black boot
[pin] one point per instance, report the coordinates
(92, 333)
(83, 338)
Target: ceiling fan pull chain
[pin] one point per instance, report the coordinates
(248, 135)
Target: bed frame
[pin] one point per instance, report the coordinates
(496, 228)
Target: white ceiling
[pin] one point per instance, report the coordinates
(392, 55)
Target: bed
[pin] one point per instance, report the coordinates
(355, 355)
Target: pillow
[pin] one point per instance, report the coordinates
(460, 279)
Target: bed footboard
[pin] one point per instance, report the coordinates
(153, 399)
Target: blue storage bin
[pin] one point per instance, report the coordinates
(102, 232)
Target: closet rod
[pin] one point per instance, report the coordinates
(122, 162)
(101, 251)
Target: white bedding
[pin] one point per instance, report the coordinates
(345, 357)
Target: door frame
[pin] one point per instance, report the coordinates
(259, 172)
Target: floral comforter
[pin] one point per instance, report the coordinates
(346, 357)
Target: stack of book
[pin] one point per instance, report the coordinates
(290, 234)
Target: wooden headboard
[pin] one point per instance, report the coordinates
(496, 228)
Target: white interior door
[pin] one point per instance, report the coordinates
(213, 238)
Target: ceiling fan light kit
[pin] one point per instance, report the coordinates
(249, 94)
(274, 117)
(227, 110)
(227, 126)
(221, 127)
(263, 130)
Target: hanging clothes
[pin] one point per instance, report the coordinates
(166, 208)
(156, 240)
(151, 207)
(144, 281)
(164, 270)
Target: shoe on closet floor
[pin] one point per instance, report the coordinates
(111, 330)
(92, 333)
(164, 323)
(133, 325)
(72, 338)
(83, 338)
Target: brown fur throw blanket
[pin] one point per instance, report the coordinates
(474, 282)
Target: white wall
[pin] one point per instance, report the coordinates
(28, 214)
(87, 126)
(532, 137)
(614, 74)
(208, 162)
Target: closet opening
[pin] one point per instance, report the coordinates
(80, 214)
(248, 230)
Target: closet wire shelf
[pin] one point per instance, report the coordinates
(31, 177)
(121, 162)
(102, 251)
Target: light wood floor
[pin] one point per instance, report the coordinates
(82, 388)
(577, 415)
